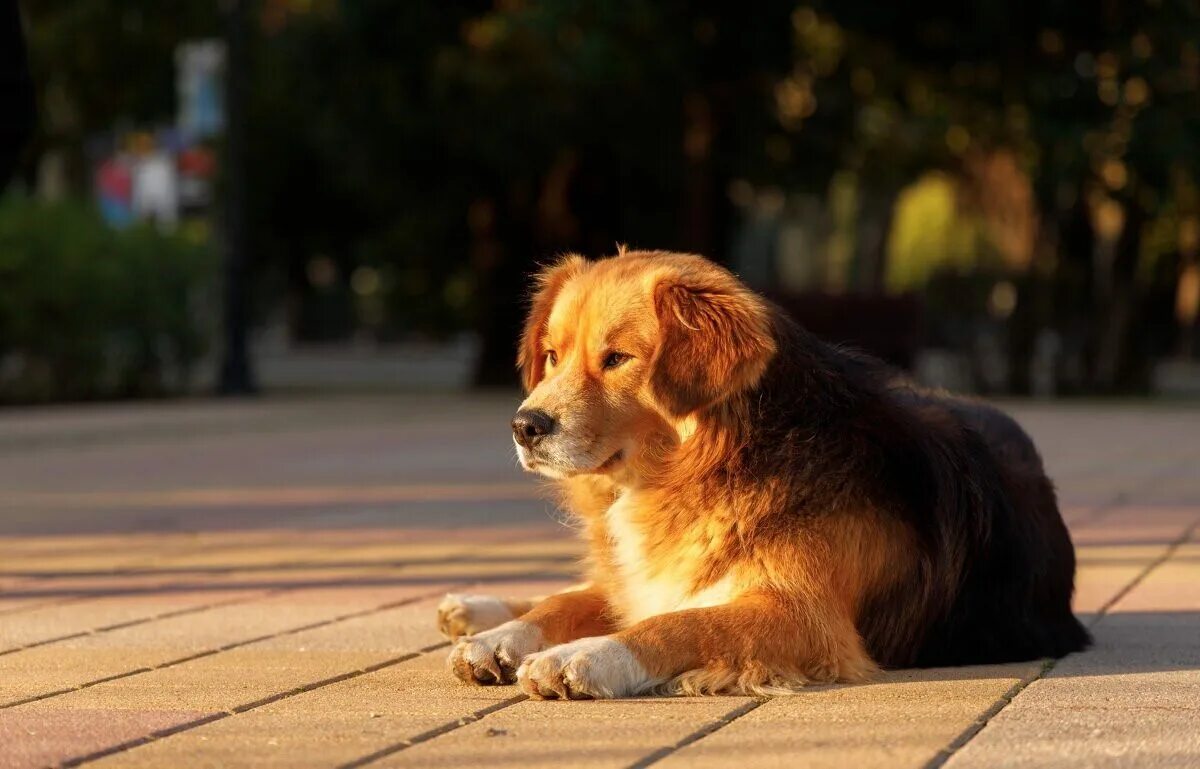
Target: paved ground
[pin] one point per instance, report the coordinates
(253, 584)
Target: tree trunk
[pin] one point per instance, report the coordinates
(236, 376)
(875, 214)
(504, 256)
(1120, 364)
(16, 92)
(1072, 291)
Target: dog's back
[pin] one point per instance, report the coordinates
(1015, 599)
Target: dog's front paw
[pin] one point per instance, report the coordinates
(590, 668)
(460, 615)
(492, 657)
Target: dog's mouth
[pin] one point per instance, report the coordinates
(534, 463)
(612, 461)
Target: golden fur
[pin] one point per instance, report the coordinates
(715, 564)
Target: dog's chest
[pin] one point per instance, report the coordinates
(661, 578)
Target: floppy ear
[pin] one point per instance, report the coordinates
(547, 284)
(715, 339)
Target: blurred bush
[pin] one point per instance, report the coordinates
(90, 312)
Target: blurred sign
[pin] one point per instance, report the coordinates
(138, 179)
(155, 189)
(196, 168)
(199, 73)
(114, 191)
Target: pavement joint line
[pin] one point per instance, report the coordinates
(140, 621)
(389, 750)
(137, 547)
(144, 565)
(133, 569)
(35, 605)
(415, 740)
(969, 733)
(197, 609)
(237, 644)
(144, 740)
(1162, 558)
(85, 685)
(176, 545)
(233, 645)
(150, 435)
(139, 565)
(1122, 497)
(364, 578)
(699, 734)
(964, 738)
(160, 734)
(294, 565)
(237, 709)
(437, 731)
(117, 571)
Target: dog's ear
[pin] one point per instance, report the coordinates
(547, 285)
(715, 338)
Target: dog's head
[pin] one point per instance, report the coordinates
(621, 353)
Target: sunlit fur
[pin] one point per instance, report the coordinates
(765, 510)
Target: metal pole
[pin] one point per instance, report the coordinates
(236, 375)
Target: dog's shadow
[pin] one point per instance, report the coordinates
(1125, 643)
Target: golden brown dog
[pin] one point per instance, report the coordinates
(763, 509)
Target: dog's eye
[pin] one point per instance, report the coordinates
(552, 357)
(614, 359)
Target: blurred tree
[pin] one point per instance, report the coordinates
(597, 123)
(413, 161)
(1097, 103)
(450, 148)
(89, 312)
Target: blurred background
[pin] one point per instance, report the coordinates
(313, 194)
(339, 203)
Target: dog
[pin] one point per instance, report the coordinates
(763, 510)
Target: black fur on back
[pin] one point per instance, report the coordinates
(993, 574)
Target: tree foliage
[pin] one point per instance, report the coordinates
(449, 146)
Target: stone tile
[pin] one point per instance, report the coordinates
(1126, 486)
(902, 720)
(331, 725)
(1102, 572)
(287, 665)
(73, 662)
(58, 620)
(612, 733)
(1132, 700)
(32, 740)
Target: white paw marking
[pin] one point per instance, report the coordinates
(492, 657)
(598, 668)
(460, 615)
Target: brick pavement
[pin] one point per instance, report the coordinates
(253, 584)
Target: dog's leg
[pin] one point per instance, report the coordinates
(757, 644)
(461, 614)
(492, 656)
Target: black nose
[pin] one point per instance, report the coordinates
(530, 425)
